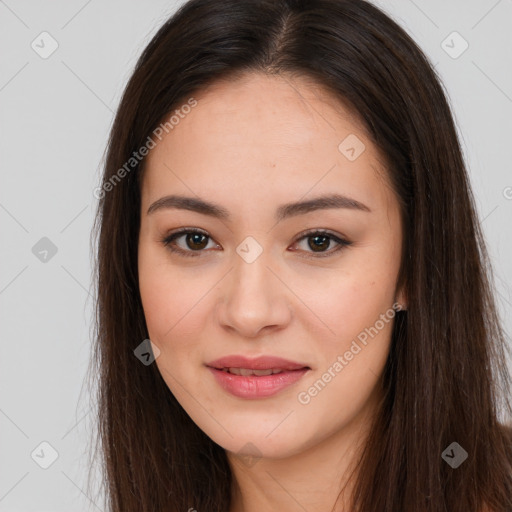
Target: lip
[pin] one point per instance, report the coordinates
(253, 386)
(258, 363)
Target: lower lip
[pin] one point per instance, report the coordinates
(254, 386)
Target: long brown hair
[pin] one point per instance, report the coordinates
(446, 378)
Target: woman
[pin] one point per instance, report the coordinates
(294, 299)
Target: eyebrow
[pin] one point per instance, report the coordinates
(283, 212)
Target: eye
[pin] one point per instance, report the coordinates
(196, 241)
(319, 240)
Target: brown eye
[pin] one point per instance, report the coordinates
(319, 241)
(194, 242)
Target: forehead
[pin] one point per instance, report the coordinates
(258, 132)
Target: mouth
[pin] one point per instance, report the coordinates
(248, 371)
(256, 378)
(273, 364)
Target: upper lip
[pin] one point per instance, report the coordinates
(258, 363)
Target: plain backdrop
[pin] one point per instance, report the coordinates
(56, 112)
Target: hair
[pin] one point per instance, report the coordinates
(446, 378)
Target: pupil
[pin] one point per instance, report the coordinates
(323, 245)
(194, 240)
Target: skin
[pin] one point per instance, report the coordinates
(251, 145)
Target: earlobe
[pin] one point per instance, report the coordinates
(401, 301)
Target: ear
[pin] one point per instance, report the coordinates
(401, 299)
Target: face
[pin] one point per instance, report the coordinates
(312, 284)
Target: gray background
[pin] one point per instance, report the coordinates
(56, 113)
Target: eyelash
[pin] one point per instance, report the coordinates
(319, 232)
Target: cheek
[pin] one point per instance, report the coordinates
(169, 311)
(348, 302)
(360, 313)
(173, 319)
(163, 296)
(174, 304)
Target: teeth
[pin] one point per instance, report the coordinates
(246, 371)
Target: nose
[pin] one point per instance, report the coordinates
(254, 300)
